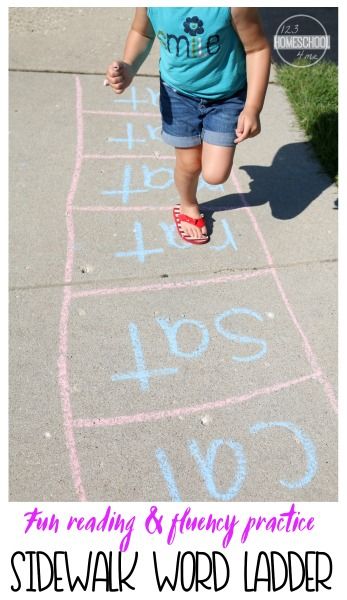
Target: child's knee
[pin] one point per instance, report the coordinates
(216, 176)
(189, 167)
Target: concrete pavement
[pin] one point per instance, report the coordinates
(142, 368)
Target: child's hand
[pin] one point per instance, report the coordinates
(248, 124)
(119, 76)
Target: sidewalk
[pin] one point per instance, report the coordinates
(143, 368)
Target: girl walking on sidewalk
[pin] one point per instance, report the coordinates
(214, 72)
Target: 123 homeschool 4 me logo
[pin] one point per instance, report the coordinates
(301, 41)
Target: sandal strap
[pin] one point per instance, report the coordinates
(198, 222)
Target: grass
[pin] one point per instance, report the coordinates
(313, 93)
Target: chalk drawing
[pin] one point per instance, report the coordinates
(173, 285)
(154, 133)
(229, 238)
(114, 157)
(206, 467)
(311, 357)
(168, 475)
(153, 96)
(308, 447)
(170, 413)
(134, 101)
(173, 241)
(63, 376)
(149, 175)
(123, 113)
(126, 190)
(140, 252)
(242, 339)
(206, 464)
(171, 237)
(171, 331)
(150, 181)
(142, 375)
(129, 140)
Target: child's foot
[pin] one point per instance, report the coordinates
(189, 229)
(198, 223)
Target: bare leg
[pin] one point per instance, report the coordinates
(187, 171)
(217, 162)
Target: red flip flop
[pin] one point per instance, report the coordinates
(178, 217)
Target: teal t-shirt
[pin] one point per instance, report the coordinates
(200, 52)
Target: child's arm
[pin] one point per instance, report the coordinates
(248, 26)
(137, 47)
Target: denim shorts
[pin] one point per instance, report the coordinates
(187, 121)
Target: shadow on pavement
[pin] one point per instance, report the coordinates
(289, 185)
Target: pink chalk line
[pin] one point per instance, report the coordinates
(155, 287)
(135, 208)
(120, 208)
(63, 374)
(111, 113)
(189, 410)
(127, 156)
(311, 357)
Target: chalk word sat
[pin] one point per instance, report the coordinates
(171, 330)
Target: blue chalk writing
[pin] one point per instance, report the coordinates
(154, 96)
(308, 446)
(126, 190)
(229, 238)
(141, 374)
(171, 237)
(130, 140)
(154, 132)
(173, 241)
(140, 253)
(171, 332)
(167, 473)
(133, 100)
(206, 467)
(241, 339)
(149, 176)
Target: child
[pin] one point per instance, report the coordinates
(214, 71)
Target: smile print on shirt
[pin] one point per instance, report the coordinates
(193, 47)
